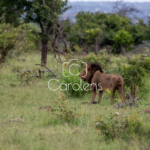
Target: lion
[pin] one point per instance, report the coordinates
(95, 76)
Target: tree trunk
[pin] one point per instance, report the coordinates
(3, 56)
(44, 53)
(133, 91)
(123, 50)
(96, 46)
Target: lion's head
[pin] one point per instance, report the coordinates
(89, 70)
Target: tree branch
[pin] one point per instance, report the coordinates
(15, 120)
(48, 70)
(129, 95)
(44, 2)
(41, 26)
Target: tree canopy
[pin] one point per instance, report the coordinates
(43, 12)
(110, 24)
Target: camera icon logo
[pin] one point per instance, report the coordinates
(66, 64)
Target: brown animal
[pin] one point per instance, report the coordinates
(98, 80)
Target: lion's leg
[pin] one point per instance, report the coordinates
(100, 96)
(120, 92)
(93, 95)
(93, 89)
(113, 95)
(112, 89)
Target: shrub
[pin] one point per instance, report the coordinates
(65, 112)
(9, 38)
(133, 74)
(15, 40)
(32, 38)
(102, 58)
(122, 39)
(120, 125)
(72, 85)
(144, 61)
(27, 77)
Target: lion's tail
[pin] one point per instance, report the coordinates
(121, 84)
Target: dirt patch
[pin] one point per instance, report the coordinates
(147, 110)
(89, 103)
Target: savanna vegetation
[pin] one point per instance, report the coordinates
(42, 101)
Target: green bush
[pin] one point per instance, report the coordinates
(142, 61)
(65, 112)
(72, 85)
(102, 59)
(133, 74)
(9, 39)
(32, 37)
(14, 41)
(122, 38)
(121, 125)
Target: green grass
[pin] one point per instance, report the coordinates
(42, 130)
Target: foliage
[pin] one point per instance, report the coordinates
(92, 34)
(43, 131)
(138, 33)
(122, 38)
(114, 23)
(120, 125)
(133, 74)
(12, 12)
(144, 61)
(147, 30)
(15, 40)
(28, 77)
(109, 24)
(109, 96)
(32, 36)
(102, 58)
(64, 111)
(83, 32)
(10, 38)
(34, 11)
(43, 13)
(71, 84)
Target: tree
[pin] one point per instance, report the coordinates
(110, 24)
(122, 41)
(147, 30)
(122, 9)
(10, 37)
(134, 72)
(45, 13)
(85, 33)
(138, 33)
(113, 24)
(94, 37)
(12, 11)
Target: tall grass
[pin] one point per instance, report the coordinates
(40, 129)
